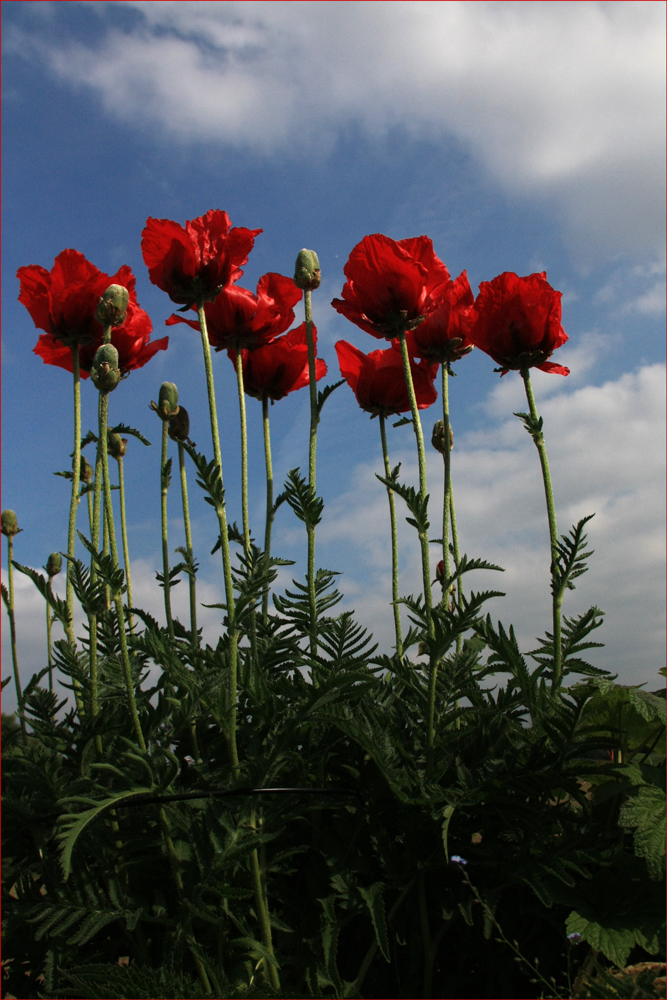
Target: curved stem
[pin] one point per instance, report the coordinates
(126, 550)
(556, 588)
(224, 544)
(394, 541)
(269, 497)
(188, 546)
(261, 905)
(164, 488)
(74, 503)
(12, 633)
(447, 456)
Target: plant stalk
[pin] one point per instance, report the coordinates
(12, 633)
(188, 545)
(269, 498)
(394, 541)
(312, 462)
(164, 489)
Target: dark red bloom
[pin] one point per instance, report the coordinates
(63, 301)
(193, 264)
(378, 380)
(517, 322)
(444, 336)
(280, 366)
(238, 318)
(391, 285)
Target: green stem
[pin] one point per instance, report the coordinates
(269, 498)
(394, 541)
(312, 461)
(49, 655)
(224, 544)
(74, 503)
(164, 488)
(188, 545)
(125, 656)
(12, 633)
(126, 550)
(244, 452)
(556, 588)
(457, 560)
(447, 456)
(262, 908)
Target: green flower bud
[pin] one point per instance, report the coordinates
(10, 525)
(116, 445)
(54, 564)
(167, 404)
(85, 470)
(112, 307)
(179, 425)
(307, 273)
(438, 438)
(105, 372)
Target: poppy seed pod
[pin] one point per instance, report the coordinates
(105, 372)
(10, 525)
(167, 404)
(179, 425)
(112, 307)
(54, 564)
(116, 445)
(438, 437)
(307, 274)
(85, 470)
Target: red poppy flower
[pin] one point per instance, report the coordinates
(193, 264)
(517, 322)
(391, 285)
(279, 367)
(63, 301)
(238, 318)
(444, 335)
(378, 380)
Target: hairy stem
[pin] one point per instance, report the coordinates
(126, 550)
(261, 905)
(164, 488)
(74, 503)
(188, 545)
(269, 497)
(312, 463)
(447, 457)
(394, 541)
(12, 633)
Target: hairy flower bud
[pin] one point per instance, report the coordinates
(307, 273)
(85, 470)
(54, 564)
(105, 372)
(179, 425)
(10, 525)
(438, 438)
(167, 404)
(112, 307)
(116, 445)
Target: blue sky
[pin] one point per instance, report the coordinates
(518, 136)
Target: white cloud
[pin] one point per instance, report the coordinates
(557, 100)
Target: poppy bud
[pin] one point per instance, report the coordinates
(167, 404)
(112, 307)
(105, 372)
(179, 425)
(116, 445)
(438, 438)
(54, 564)
(307, 273)
(10, 525)
(85, 470)
(440, 571)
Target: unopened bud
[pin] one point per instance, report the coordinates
(179, 425)
(167, 404)
(54, 564)
(307, 273)
(10, 525)
(85, 470)
(116, 445)
(440, 571)
(438, 438)
(105, 372)
(112, 307)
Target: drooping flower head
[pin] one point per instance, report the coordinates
(378, 380)
(280, 366)
(517, 322)
(192, 264)
(391, 285)
(444, 336)
(238, 318)
(63, 301)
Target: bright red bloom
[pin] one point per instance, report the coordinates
(517, 322)
(444, 336)
(238, 318)
(63, 301)
(378, 380)
(193, 264)
(391, 285)
(280, 366)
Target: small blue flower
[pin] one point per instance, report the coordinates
(574, 937)
(456, 859)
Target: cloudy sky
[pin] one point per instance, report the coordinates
(518, 136)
